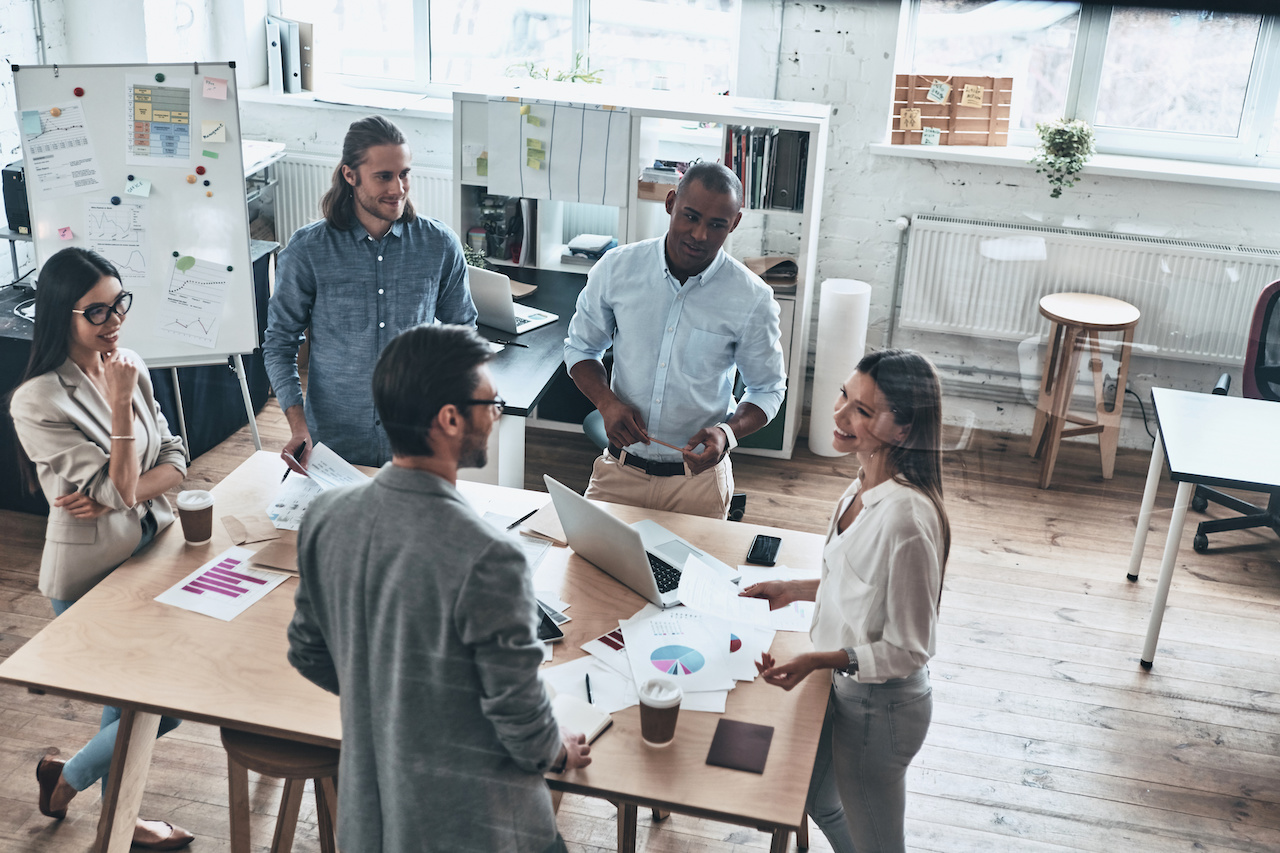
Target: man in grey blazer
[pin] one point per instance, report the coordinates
(422, 616)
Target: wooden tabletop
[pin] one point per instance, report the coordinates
(118, 646)
(1089, 309)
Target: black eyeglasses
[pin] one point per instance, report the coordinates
(498, 404)
(99, 313)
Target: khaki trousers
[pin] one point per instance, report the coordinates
(708, 494)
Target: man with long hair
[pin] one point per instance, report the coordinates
(366, 272)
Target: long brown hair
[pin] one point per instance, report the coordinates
(911, 386)
(363, 134)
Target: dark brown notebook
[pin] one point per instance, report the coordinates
(740, 746)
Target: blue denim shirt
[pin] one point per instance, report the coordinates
(356, 294)
(675, 348)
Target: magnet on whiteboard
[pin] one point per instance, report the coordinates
(115, 199)
(191, 179)
(159, 78)
(55, 112)
(199, 170)
(78, 92)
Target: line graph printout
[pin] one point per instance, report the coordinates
(118, 232)
(193, 302)
(157, 121)
(60, 154)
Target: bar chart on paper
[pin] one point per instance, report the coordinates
(224, 587)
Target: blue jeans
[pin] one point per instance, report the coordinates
(858, 791)
(93, 761)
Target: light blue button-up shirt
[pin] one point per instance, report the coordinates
(356, 294)
(675, 348)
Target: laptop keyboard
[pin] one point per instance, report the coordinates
(666, 575)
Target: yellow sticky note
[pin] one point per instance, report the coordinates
(533, 120)
(534, 154)
(533, 144)
(139, 187)
(482, 166)
(213, 131)
(972, 96)
(938, 92)
(524, 109)
(909, 120)
(533, 163)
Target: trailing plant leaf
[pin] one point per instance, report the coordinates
(1065, 146)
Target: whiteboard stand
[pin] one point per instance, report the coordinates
(238, 363)
(182, 416)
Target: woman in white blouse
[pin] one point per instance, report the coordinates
(876, 617)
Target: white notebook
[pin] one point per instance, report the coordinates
(579, 716)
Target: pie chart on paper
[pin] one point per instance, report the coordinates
(677, 660)
(735, 643)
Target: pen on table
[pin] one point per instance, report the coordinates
(511, 344)
(590, 701)
(301, 448)
(521, 519)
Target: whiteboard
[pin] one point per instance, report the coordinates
(117, 158)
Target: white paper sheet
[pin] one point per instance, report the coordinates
(157, 121)
(610, 649)
(693, 652)
(610, 690)
(798, 615)
(60, 157)
(330, 470)
(224, 587)
(326, 470)
(193, 303)
(703, 589)
(118, 232)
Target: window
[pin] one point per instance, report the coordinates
(687, 45)
(1156, 82)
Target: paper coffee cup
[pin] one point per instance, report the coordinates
(195, 508)
(659, 708)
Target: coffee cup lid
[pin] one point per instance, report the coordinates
(193, 500)
(661, 693)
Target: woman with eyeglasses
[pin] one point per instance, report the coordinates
(92, 436)
(875, 623)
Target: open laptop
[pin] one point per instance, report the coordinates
(491, 292)
(645, 556)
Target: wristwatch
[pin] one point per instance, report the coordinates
(728, 433)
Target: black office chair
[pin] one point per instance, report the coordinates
(1261, 382)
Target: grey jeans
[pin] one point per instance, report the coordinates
(858, 791)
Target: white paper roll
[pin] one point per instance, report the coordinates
(843, 310)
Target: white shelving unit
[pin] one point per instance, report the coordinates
(671, 126)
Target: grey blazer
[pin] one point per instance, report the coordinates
(64, 424)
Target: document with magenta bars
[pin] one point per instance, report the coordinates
(224, 587)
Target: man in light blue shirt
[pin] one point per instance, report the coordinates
(366, 272)
(681, 315)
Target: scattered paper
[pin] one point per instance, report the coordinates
(703, 589)
(797, 616)
(692, 652)
(552, 600)
(193, 302)
(330, 470)
(65, 233)
(139, 187)
(325, 470)
(158, 123)
(224, 587)
(59, 153)
(247, 530)
(610, 690)
(118, 232)
(281, 555)
(610, 649)
(546, 523)
(213, 131)
(215, 88)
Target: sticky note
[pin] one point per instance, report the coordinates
(213, 131)
(65, 233)
(524, 109)
(30, 122)
(534, 154)
(533, 163)
(185, 263)
(482, 167)
(909, 120)
(140, 187)
(972, 95)
(938, 92)
(533, 120)
(930, 136)
(213, 154)
(534, 144)
(215, 88)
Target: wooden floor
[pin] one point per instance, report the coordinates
(1046, 736)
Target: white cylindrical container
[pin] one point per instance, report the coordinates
(843, 310)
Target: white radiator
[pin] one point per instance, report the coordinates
(985, 279)
(304, 178)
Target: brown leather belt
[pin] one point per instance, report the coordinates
(653, 469)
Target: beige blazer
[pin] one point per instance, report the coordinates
(64, 424)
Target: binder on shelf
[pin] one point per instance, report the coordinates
(305, 38)
(290, 54)
(787, 171)
(275, 78)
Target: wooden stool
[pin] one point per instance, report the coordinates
(294, 763)
(1076, 320)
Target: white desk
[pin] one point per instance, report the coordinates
(1207, 439)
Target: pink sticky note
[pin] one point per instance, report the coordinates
(215, 88)
(65, 233)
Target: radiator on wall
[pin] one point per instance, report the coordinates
(304, 178)
(985, 279)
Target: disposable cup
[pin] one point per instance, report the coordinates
(659, 708)
(195, 508)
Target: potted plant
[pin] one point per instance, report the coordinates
(1065, 146)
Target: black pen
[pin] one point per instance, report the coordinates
(301, 448)
(590, 701)
(511, 344)
(522, 519)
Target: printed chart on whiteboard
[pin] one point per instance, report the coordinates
(159, 123)
(118, 232)
(193, 302)
(59, 151)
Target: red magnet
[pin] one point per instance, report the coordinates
(199, 170)
(78, 92)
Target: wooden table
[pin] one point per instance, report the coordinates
(1210, 439)
(117, 646)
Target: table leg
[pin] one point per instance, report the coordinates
(13, 258)
(660, 814)
(802, 833)
(627, 815)
(780, 839)
(1185, 490)
(1144, 514)
(135, 738)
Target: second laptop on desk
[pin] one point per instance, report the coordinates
(645, 556)
(491, 292)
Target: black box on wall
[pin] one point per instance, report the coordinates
(15, 198)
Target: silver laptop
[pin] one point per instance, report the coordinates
(645, 556)
(491, 292)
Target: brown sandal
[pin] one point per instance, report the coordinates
(175, 840)
(48, 772)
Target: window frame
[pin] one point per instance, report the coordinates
(1258, 111)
